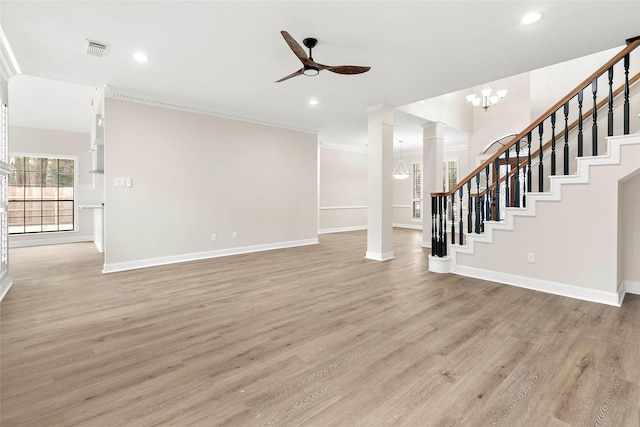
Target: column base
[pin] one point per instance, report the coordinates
(439, 264)
(378, 256)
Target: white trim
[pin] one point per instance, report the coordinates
(426, 244)
(342, 229)
(328, 208)
(23, 243)
(157, 101)
(547, 286)
(378, 256)
(630, 287)
(6, 49)
(402, 206)
(411, 226)
(172, 259)
(439, 264)
(5, 284)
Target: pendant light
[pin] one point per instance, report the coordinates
(401, 171)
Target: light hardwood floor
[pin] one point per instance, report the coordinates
(313, 336)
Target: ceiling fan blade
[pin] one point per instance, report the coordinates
(296, 73)
(344, 69)
(297, 49)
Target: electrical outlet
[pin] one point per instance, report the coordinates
(214, 236)
(531, 258)
(235, 234)
(120, 182)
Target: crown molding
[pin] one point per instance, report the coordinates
(9, 62)
(343, 147)
(181, 105)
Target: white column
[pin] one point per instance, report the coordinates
(380, 201)
(432, 158)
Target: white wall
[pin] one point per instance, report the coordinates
(193, 175)
(59, 143)
(343, 190)
(451, 109)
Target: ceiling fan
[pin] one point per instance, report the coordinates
(311, 67)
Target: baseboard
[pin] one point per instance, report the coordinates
(342, 229)
(48, 241)
(379, 256)
(555, 288)
(5, 284)
(627, 287)
(152, 262)
(631, 287)
(411, 226)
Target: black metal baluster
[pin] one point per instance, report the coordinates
(440, 237)
(594, 126)
(610, 111)
(460, 224)
(517, 179)
(482, 213)
(528, 189)
(507, 193)
(487, 193)
(496, 174)
(478, 205)
(553, 143)
(444, 226)
(626, 95)
(469, 208)
(540, 165)
(580, 134)
(434, 219)
(453, 219)
(566, 138)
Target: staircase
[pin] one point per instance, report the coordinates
(547, 220)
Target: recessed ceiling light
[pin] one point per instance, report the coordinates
(531, 17)
(313, 101)
(140, 57)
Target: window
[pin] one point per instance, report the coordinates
(416, 198)
(41, 192)
(449, 174)
(4, 232)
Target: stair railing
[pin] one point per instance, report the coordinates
(502, 181)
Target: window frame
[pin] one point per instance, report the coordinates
(415, 199)
(74, 158)
(445, 172)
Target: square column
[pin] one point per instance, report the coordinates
(432, 158)
(380, 191)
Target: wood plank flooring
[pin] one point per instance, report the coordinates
(310, 336)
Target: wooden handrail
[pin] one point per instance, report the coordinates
(560, 134)
(633, 44)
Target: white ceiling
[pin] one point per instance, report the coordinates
(227, 55)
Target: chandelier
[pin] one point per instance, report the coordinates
(486, 100)
(401, 170)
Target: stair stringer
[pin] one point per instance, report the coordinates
(582, 176)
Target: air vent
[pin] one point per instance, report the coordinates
(97, 49)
